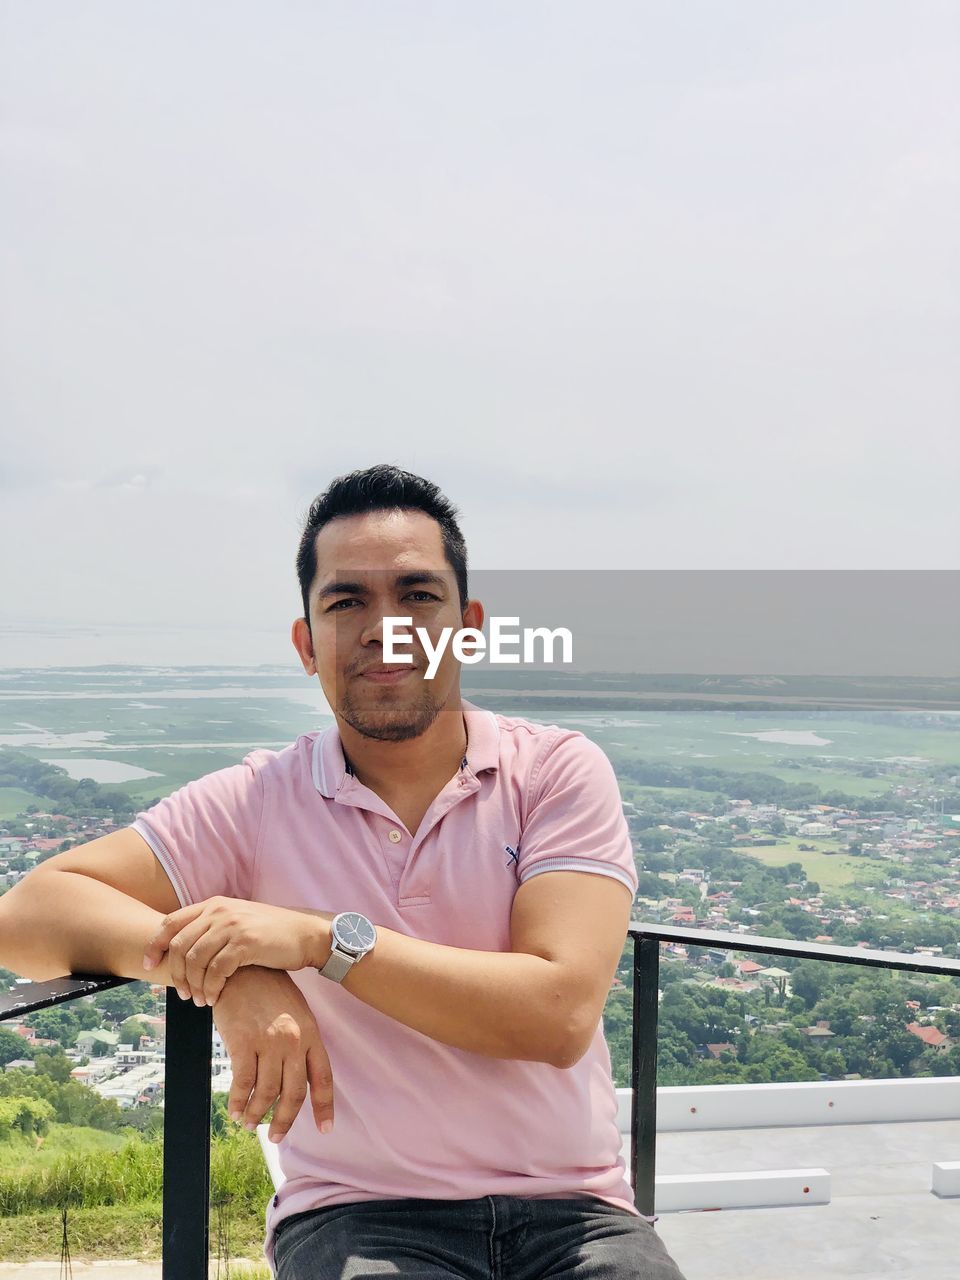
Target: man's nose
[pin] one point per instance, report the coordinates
(373, 632)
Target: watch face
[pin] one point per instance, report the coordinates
(355, 931)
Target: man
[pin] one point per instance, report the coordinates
(413, 917)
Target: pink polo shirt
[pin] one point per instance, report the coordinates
(415, 1117)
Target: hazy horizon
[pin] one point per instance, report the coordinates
(870, 624)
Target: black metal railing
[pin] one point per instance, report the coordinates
(646, 976)
(186, 1117)
(186, 1114)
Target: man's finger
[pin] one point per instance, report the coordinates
(292, 1093)
(265, 1091)
(220, 968)
(197, 960)
(156, 948)
(177, 955)
(320, 1079)
(244, 1078)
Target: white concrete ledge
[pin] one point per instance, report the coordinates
(946, 1178)
(772, 1187)
(751, 1106)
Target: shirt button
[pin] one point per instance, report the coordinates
(395, 837)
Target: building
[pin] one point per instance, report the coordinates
(930, 1035)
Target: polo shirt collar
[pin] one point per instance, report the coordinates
(329, 767)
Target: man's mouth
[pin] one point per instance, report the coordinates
(391, 674)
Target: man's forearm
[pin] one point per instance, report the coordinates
(54, 923)
(502, 1004)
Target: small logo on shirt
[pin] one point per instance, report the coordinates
(514, 855)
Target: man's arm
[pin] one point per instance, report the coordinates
(89, 910)
(540, 1001)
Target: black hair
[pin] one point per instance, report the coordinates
(380, 488)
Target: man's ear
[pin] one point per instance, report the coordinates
(473, 614)
(303, 643)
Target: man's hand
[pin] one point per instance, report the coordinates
(275, 1050)
(209, 941)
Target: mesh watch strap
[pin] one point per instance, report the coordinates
(338, 965)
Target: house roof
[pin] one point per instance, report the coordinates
(715, 1050)
(99, 1033)
(929, 1035)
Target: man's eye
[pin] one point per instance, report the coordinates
(335, 607)
(425, 595)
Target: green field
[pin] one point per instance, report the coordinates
(832, 871)
(19, 1154)
(14, 800)
(181, 724)
(688, 797)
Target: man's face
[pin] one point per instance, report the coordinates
(384, 564)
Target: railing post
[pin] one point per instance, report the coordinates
(643, 1121)
(186, 1140)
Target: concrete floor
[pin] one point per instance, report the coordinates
(882, 1220)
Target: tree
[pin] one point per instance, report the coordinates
(811, 980)
(618, 1030)
(59, 1023)
(73, 1102)
(27, 1115)
(833, 1064)
(799, 924)
(773, 1062)
(117, 1004)
(146, 1119)
(55, 1065)
(12, 1047)
(651, 886)
(132, 1031)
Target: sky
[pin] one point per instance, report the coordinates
(641, 286)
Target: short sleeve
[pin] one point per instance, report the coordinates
(205, 834)
(575, 817)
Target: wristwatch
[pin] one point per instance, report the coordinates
(353, 937)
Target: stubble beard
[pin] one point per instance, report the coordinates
(386, 723)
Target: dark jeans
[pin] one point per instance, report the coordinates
(491, 1238)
